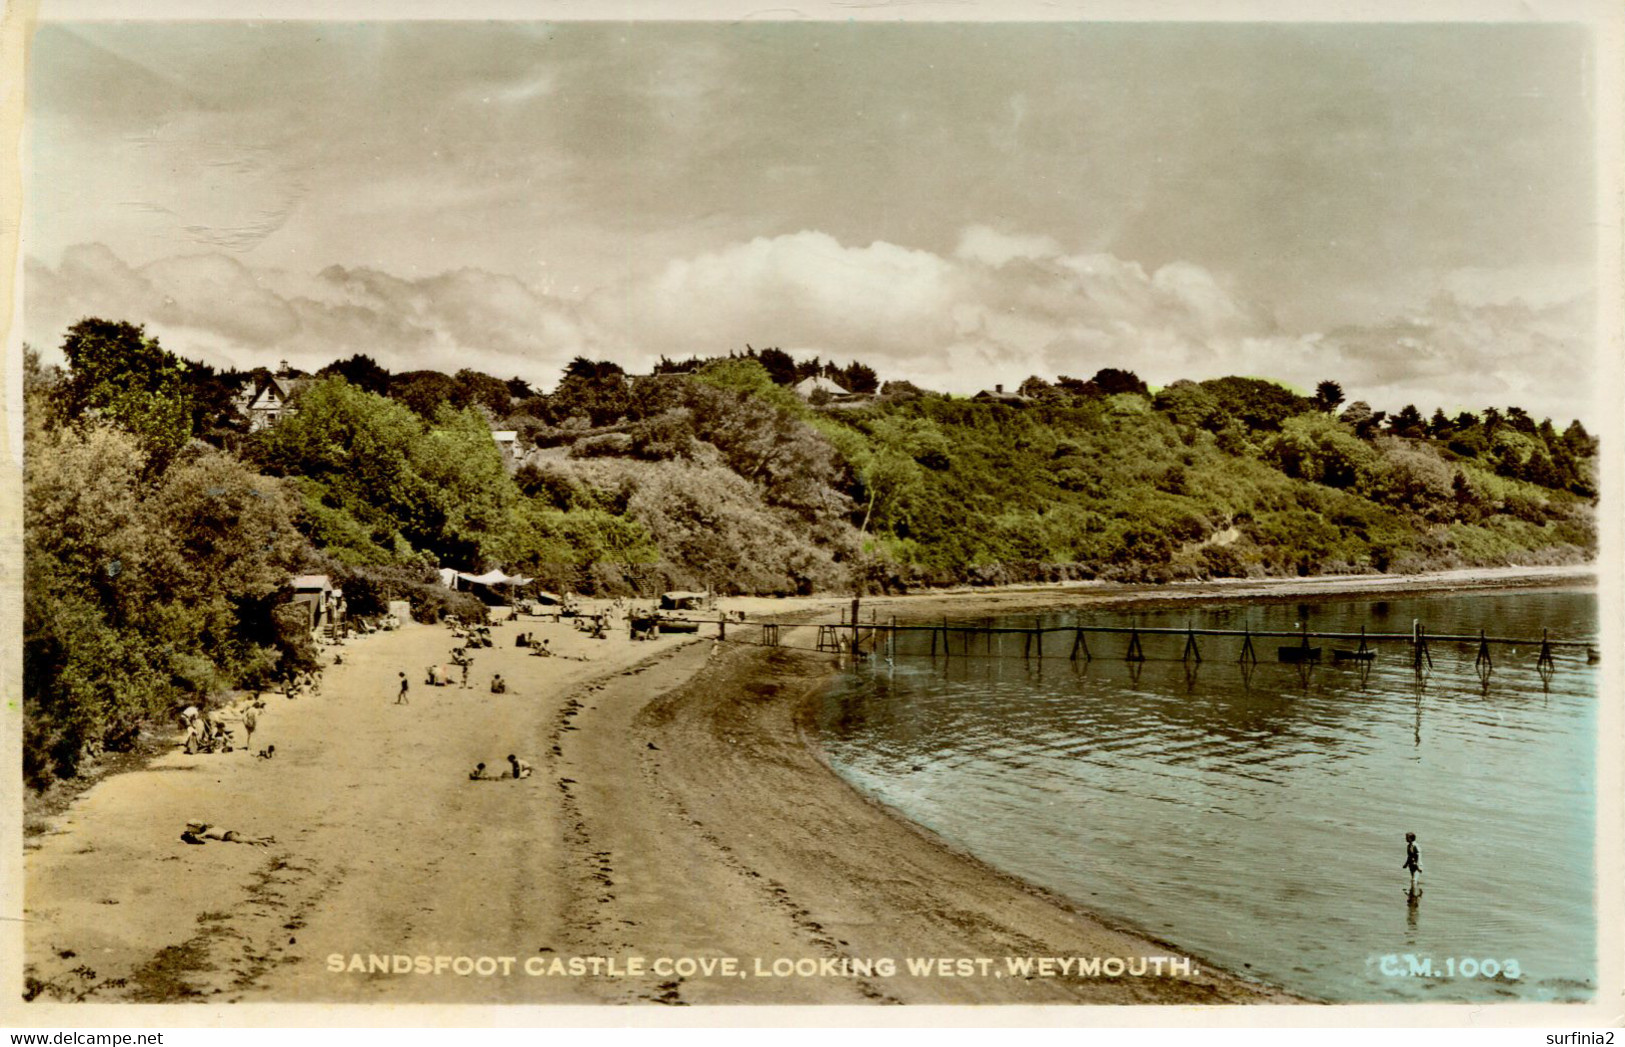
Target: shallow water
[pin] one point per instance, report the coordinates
(1258, 819)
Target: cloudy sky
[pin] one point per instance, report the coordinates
(1406, 209)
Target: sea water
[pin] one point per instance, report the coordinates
(1256, 818)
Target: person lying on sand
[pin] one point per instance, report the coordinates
(267, 753)
(199, 832)
(478, 773)
(521, 769)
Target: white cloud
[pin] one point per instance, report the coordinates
(1003, 306)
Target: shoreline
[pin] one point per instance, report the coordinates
(681, 806)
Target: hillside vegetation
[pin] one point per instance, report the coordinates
(160, 532)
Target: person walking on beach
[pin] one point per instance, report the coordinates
(251, 720)
(467, 662)
(400, 699)
(1413, 861)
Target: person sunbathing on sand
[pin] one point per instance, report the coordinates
(521, 769)
(199, 832)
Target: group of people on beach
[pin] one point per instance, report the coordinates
(517, 769)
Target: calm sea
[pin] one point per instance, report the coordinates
(1258, 819)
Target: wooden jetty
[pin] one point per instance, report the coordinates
(852, 635)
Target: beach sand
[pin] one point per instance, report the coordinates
(679, 808)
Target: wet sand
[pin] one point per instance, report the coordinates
(679, 809)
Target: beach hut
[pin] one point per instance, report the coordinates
(316, 594)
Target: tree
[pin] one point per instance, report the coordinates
(1580, 443)
(423, 391)
(213, 396)
(596, 390)
(474, 387)
(856, 377)
(1035, 388)
(1255, 403)
(1328, 396)
(1109, 381)
(118, 373)
(1408, 423)
(780, 365)
(361, 371)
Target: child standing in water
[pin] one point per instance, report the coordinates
(1413, 860)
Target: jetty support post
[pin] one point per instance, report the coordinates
(1191, 649)
(1545, 660)
(1135, 652)
(1080, 644)
(1483, 661)
(1038, 631)
(1420, 654)
(1248, 655)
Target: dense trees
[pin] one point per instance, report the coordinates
(118, 373)
(142, 586)
(154, 563)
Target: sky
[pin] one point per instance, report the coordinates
(1409, 210)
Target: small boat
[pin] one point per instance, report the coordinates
(1298, 654)
(1341, 655)
(677, 625)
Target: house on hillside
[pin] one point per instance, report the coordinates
(265, 401)
(818, 383)
(999, 396)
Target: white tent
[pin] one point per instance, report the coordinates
(450, 578)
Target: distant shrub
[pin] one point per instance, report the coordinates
(607, 445)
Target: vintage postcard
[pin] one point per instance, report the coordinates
(814, 508)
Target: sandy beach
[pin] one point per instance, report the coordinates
(679, 810)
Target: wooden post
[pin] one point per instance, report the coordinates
(1026, 644)
(1420, 653)
(1038, 631)
(947, 647)
(1483, 661)
(1248, 655)
(1135, 653)
(722, 628)
(1191, 650)
(854, 626)
(1079, 644)
(1545, 660)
